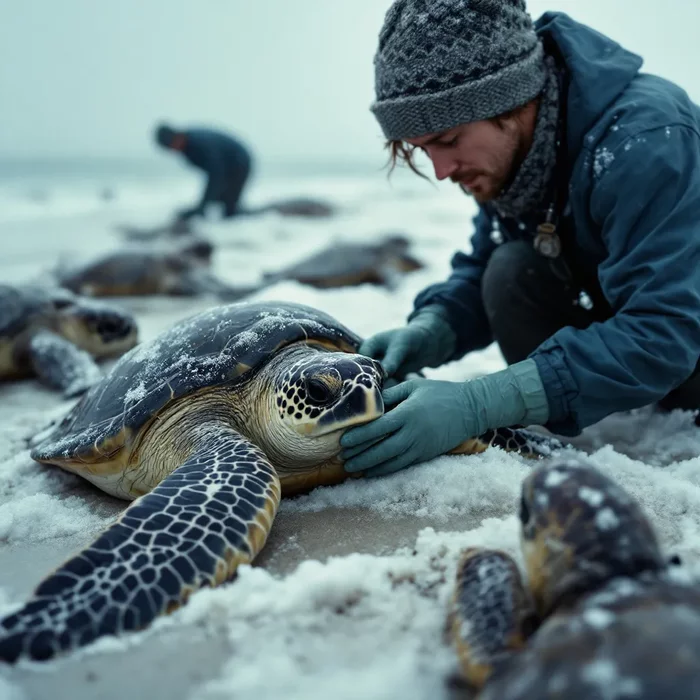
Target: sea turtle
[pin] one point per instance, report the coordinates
(176, 228)
(295, 206)
(54, 335)
(304, 207)
(206, 426)
(175, 269)
(345, 264)
(602, 617)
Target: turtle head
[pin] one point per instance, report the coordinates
(99, 329)
(191, 254)
(199, 250)
(316, 395)
(579, 529)
(327, 392)
(396, 243)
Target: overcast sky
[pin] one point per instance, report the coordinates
(294, 77)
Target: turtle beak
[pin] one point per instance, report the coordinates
(359, 406)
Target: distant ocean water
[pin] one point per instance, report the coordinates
(35, 188)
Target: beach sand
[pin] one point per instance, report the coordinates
(348, 597)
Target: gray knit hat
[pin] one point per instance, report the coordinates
(441, 63)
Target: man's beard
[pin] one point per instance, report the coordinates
(519, 151)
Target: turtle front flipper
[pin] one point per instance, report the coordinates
(193, 530)
(525, 442)
(62, 365)
(490, 615)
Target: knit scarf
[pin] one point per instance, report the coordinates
(527, 192)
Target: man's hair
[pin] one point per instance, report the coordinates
(402, 152)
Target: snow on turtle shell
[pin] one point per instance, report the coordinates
(221, 345)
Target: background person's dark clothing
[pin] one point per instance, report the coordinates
(227, 163)
(631, 225)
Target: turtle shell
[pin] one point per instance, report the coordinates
(122, 268)
(633, 638)
(340, 260)
(345, 263)
(223, 345)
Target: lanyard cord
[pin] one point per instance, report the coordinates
(547, 241)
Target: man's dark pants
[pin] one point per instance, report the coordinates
(231, 196)
(528, 298)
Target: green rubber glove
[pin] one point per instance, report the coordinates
(431, 417)
(426, 341)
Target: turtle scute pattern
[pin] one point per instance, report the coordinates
(526, 442)
(600, 614)
(208, 511)
(219, 345)
(214, 510)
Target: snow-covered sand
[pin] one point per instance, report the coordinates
(348, 598)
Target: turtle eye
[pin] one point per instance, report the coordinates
(524, 511)
(318, 391)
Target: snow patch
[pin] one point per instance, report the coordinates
(591, 496)
(602, 159)
(606, 519)
(555, 478)
(598, 618)
(484, 485)
(604, 675)
(358, 625)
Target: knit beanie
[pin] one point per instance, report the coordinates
(441, 63)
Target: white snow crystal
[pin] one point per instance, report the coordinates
(554, 478)
(606, 519)
(604, 675)
(135, 394)
(602, 159)
(591, 496)
(597, 617)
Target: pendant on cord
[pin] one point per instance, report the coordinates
(547, 241)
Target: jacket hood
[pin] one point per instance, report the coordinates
(599, 70)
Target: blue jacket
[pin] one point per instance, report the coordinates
(633, 210)
(226, 161)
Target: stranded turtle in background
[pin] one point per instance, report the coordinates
(613, 621)
(206, 427)
(177, 228)
(178, 269)
(299, 206)
(302, 207)
(350, 264)
(54, 335)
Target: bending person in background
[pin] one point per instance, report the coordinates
(585, 260)
(225, 160)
